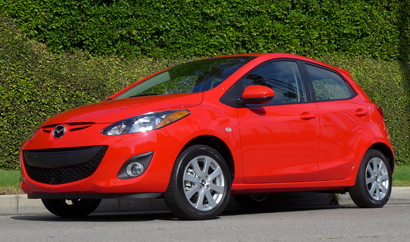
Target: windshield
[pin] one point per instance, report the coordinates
(192, 77)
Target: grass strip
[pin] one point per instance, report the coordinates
(401, 176)
(9, 182)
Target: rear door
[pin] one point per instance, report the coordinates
(343, 118)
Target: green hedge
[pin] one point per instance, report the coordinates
(36, 84)
(185, 28)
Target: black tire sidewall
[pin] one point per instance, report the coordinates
(186, 209)
(368, 200)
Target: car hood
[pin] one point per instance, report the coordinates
(115, 110)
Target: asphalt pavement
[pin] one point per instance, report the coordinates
(20, 205)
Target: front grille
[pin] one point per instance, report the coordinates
(70, 127)
(62, 175)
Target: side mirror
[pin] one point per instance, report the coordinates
(257, 94)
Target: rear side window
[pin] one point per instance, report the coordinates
(328, 85)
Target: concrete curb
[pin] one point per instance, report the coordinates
(399, 195)
(20, 205)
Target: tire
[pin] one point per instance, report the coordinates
(373, 182)
(200, 184)
(71, 208)
(253, 201)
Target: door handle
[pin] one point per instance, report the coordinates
(360, 112)
(307, 116)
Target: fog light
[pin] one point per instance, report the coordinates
(135, 166)
(135, 169)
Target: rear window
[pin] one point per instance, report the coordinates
(192, 77)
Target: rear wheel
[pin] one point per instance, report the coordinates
(200, 184)
(71, 208)
(373, 182)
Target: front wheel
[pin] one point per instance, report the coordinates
(200, 184)
(71, 208)
(373, 182)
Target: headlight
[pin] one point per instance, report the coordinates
(145, 122)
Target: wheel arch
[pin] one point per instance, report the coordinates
(387, 152)
(217, 144)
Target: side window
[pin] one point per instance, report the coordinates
(283, 77)
(328, 85)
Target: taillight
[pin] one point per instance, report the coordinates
(380, 109)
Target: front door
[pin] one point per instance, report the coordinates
(280, 139)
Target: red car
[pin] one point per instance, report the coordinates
(249, 125)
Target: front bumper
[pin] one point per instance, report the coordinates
(103, 181)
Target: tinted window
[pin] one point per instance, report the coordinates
(197, 76)
(328, 85)
(283, 77)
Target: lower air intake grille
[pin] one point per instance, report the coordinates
(67, 174)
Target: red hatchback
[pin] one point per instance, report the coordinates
(249, 125)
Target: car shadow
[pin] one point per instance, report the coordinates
(277, 210)
(166, 215)
(101, 217)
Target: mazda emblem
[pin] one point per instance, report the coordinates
(59, 131)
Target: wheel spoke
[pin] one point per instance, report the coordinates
(377, 193)
(370, 179)
(207, 163)
(215, 174)
(216, 188)
(196, 167)
(190, 178)
(384, 177)
(383, 188)
(200, 202)
(379, 166)
(370, 169)
(192, 192)
(371, 190)
(211, 200)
